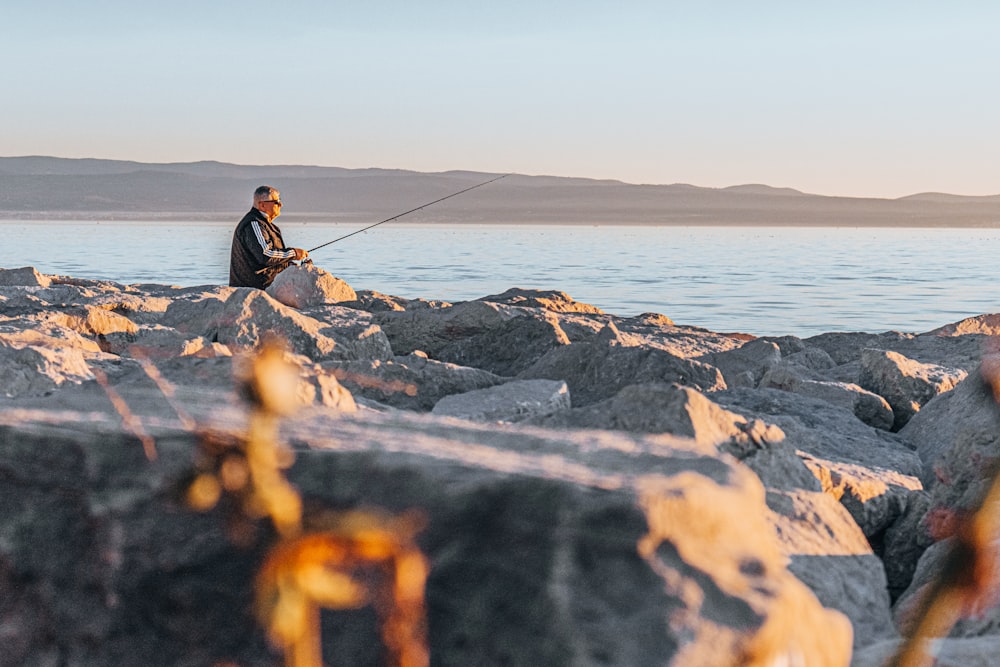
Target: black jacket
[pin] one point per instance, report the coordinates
(257, 245)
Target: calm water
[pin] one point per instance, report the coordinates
(763, 280)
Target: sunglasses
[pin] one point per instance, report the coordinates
(276, 202)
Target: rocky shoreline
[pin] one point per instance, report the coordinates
(598, 490)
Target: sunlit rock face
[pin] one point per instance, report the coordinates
(906, 384)
(305, 285)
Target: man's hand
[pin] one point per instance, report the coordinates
(300, 253)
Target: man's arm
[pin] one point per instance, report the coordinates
(266, 252)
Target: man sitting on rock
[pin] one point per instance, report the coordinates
(258, 253)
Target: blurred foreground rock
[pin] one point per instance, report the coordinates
(546, 547)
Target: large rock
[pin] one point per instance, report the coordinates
(197, 385)
(376, 302)
(24, 276)
(159, 342)
(665, 408)
(553, 300)
(139, 306)
(88, 320)
(430, 329)
(683, 411)
(546, 548)
(869, 470)
(25, 333)
(495, 337)
(37, 370)
(304, 285)
(514, 401)
(828, 552)
(957, 351)
(954, 433)
(411, 382)
(790, 376)
(602, 366)
(988, 325)
(659, 332)
(355, 333)
(904, 543)
(744, 366)
(904, 383)
(508, 348)
(243, 317)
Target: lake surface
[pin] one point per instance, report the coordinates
(759, 280)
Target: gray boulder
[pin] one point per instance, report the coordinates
(24, 276)
(158, 342)
(602, 366)
(411, 382)
(242, 317)
(659, 332)
(29, 300)
(509, 347)
(38, 369)
(829, 554)
(304, 285)
(869, 470)
(744, 366)
(27, 333)
(513, 401)
(376, 302)
(546, 548)
(88, 320)
(954, 433)
(904, 542)
(664, 408)
(193, 386)
(828, 551)
(904, 383)
(988, 325)
(495, 337)
(354, 331)
(867, 406)
(551, 300)
(846, 347)
(957, 351)
(686, 412)
(431, 329)
(812, 358)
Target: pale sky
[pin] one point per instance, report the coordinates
(855, 98)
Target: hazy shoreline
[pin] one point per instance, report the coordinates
(347, 218)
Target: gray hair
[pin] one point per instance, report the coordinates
(263, 193)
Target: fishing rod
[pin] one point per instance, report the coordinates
(412, 210)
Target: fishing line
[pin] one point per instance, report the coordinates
(412, 210)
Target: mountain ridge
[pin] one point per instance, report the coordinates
(33, 187)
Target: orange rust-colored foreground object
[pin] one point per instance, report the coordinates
(347, 560)
(368, 558)
(970, 577)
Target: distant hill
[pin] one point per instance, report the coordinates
(47, 187)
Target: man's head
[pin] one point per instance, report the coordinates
(267, 200)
